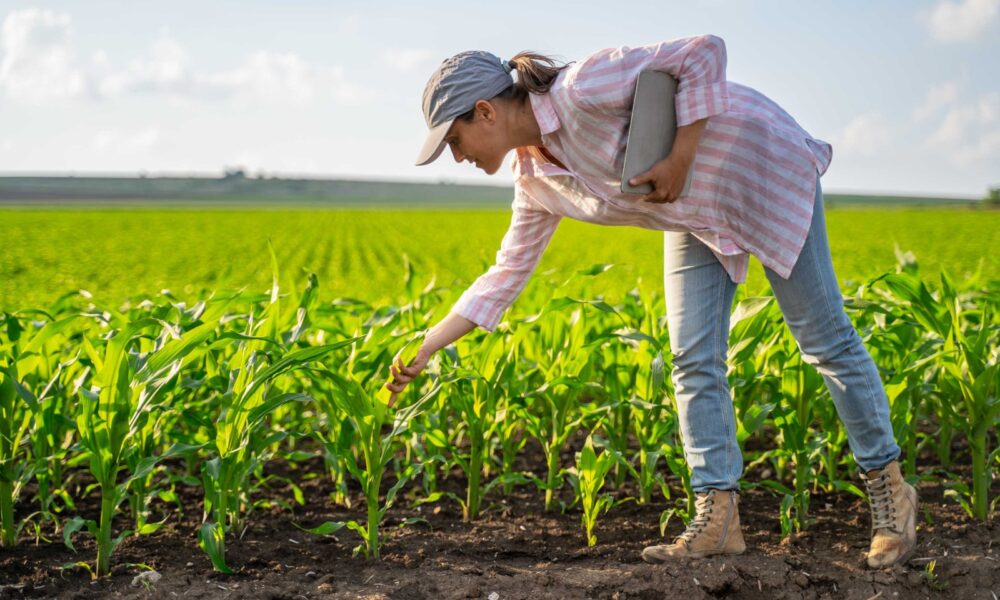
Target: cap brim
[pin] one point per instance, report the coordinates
(434, 143)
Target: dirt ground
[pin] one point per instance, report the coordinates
(516, 550)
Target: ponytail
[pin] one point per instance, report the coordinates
(535, 75)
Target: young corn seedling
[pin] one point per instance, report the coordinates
(130, 393)
(970, 367)
(587, 479)
(800, 387)
(365, 404)
(476, 397)
(974, 367)
(651, 424)
(14, 421)
(555, 411)
(240, 440)
(33, 414)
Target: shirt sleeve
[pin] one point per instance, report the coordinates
(606, 79)
(530, 231)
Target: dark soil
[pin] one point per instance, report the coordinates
(516, 550)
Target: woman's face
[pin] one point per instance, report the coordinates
(481, 141)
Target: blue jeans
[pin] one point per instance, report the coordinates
(699, 297)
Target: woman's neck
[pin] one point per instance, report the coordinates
(523, 129)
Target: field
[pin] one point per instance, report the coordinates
(230, 435)
(118, 254)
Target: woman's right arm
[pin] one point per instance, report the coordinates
(445, 332)
(485, 301)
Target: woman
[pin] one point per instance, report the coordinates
(742, 178)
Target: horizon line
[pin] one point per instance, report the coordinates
(265, 176)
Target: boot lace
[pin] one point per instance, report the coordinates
(880, 498)
(703, 508)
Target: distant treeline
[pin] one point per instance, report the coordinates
(235, 189)
(214, 190)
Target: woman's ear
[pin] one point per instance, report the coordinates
(486, 109)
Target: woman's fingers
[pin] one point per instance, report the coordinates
(394, 386)
(403, 374)
(411, 370)
(398, 377)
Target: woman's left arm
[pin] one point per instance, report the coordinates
(670, 174)
(605, 83)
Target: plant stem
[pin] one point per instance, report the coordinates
(373, 541)
(475, 472)
(221, 511)
(9, 536)
(104, 531)
(552, 460)
(980, 474)
(645, 483)
(801, 490)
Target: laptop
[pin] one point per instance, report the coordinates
(651, 129)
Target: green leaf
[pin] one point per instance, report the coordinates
(327, 528)
(595, 269)
(70, 528)
(211, 539)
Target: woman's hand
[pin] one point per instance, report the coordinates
(670, 174)
(404, 374)
(668, 178)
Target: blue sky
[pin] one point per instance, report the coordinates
(908, 93)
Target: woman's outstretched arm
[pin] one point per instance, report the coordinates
(447, 330)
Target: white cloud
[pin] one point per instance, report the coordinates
(866, 135)
(39, 63)
(281, 77)
(405, 59)
(970, 132)
(38, 60)
(165, 70)
(962, 21)
(938, 97)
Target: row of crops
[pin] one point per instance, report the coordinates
(124, 405)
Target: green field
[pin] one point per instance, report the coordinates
(205, 420)
(116, 255)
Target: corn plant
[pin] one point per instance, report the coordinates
(587, 478)
(555, 411)
(365, 404)
(129, 393)
(801, 386)
(14, 422)
(32, 413)
(974, 366)
(239, 444)
(970, 365)
(476, 397)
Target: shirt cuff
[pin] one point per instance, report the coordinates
(485, 314)
(695, 104)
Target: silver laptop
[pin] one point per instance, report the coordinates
(652, 128)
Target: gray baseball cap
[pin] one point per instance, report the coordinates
(453, 90)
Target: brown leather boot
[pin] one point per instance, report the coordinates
(894, 516)
(715, 529)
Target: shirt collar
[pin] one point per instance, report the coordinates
(545, 112)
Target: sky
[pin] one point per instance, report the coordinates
(908, 92)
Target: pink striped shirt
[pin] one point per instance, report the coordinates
(750, 189)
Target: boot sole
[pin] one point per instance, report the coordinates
(657, 561)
